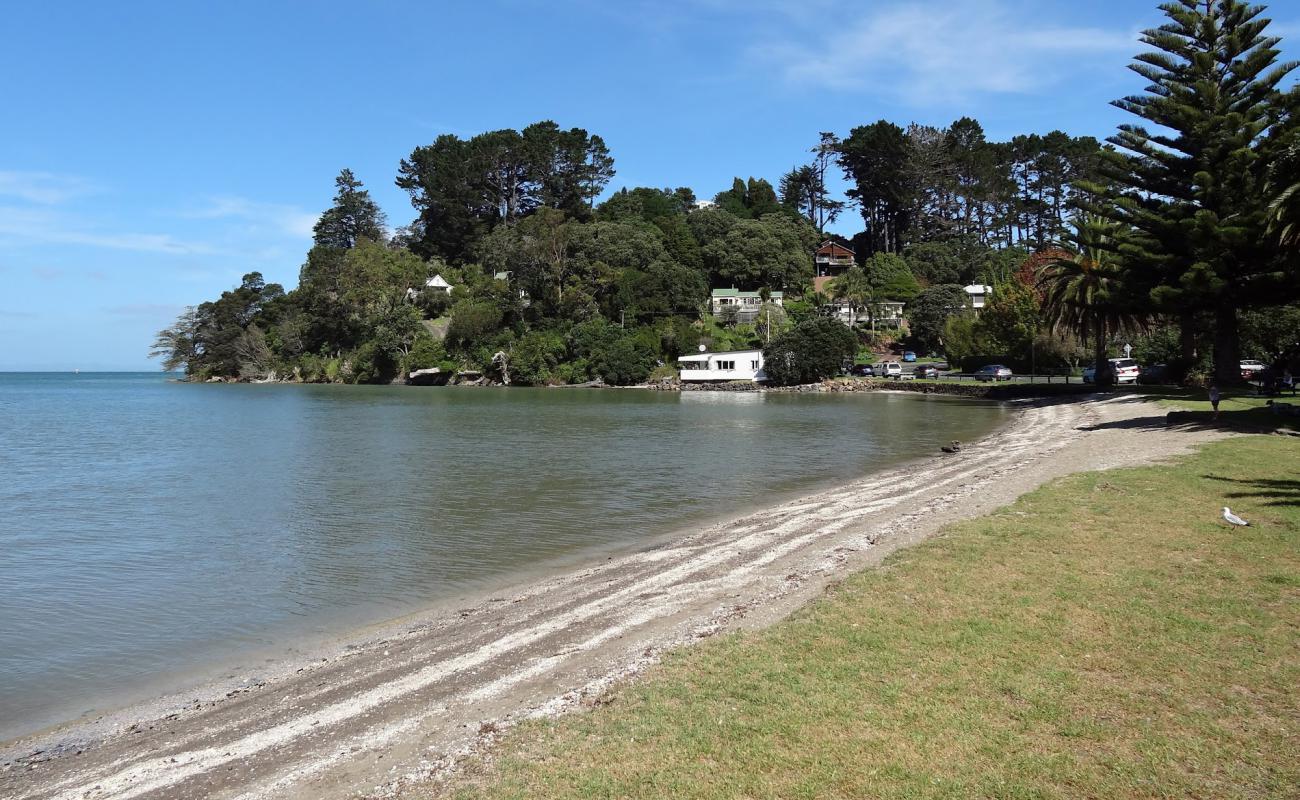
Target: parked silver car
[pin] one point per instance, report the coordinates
(993, 372)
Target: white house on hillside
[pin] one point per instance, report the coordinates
(434, 284)
(978, 294)
(733, 365)
(886, 312)
(745, 305)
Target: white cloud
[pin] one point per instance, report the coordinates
(285, 219)
(936, 52)
(45, 188)
(43, 226)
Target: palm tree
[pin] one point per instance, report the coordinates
(1083, 289)
(853, 288)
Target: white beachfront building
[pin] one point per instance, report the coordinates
(733, 365)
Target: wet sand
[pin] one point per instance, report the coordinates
(395, 706)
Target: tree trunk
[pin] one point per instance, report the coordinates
(1227, 353)
(1101, 375)
(1187, 337)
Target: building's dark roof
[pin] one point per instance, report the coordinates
(832, 248)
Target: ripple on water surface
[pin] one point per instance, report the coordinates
(148, 528)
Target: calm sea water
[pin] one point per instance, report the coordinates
(149, 528)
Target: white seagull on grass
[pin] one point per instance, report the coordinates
(1233, 519)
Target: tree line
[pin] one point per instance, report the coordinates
(1183, 232)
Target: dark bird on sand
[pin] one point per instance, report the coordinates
(953, 447)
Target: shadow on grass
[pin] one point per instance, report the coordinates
(1146, 392)
(1153, 422)
(1176, 420)
(1248, 420)
(1274, 491)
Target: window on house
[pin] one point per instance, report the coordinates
(753, 364)
(726, 365)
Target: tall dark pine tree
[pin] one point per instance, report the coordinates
(876, 159)
(465, 188)
(748, 200)
(1194, 187)
(446, 192)
(354, 216)
(567, 169)
(974, 177)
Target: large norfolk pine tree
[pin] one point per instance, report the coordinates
(1194, 185)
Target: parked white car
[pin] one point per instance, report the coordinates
(1250, 366)
(888, 369)
(1126, 371)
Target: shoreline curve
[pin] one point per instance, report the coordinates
(406, 701)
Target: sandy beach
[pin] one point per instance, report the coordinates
(400, 705)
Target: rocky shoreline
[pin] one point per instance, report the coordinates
(990, 391)
(1001, 391)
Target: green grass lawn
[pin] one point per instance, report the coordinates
(1106, 636)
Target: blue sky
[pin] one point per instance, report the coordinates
(155, 152)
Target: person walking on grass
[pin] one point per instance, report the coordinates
(1214, 399)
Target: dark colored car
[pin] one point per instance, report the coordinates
(862, 371)
(1154, 373)
(926, 371)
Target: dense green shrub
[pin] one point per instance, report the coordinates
(929, 312)
(472, 321)
(810, 351)
(624, 361)
(591, 336)
(534, 356)
(433, 302)
(371, 363)
(427, 353)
